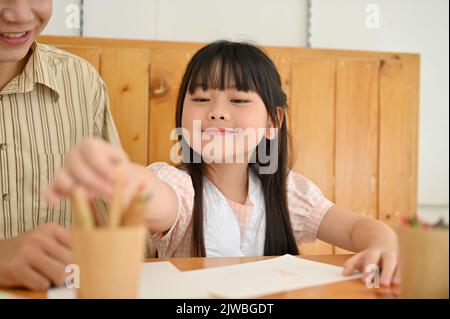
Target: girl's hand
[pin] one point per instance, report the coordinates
(91, 164)
(385, 257)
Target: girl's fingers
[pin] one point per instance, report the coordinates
(371, 258)
(133, 187)
(91, 164)
(63, 183)
(101, 165)
(115, 154)
(87, 177)
(134, 183)
(50, 195)
(389, 262)
(354, 263)
(364, 260)
(103, 158)
(61, 186)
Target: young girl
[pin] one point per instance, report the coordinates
(216, 205)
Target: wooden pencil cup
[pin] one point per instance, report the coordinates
(423, 262)
(109, 261)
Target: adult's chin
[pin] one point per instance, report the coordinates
(11, 56)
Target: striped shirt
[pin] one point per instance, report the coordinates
(58, 100)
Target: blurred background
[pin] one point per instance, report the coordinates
(415, 26)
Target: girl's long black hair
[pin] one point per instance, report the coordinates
(218, 66)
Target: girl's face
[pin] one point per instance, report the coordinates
(231, 123)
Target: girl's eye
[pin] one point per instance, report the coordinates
(200, 99)
(239, 101)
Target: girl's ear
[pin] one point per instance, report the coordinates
(272, 128)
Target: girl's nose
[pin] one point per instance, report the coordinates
(218, 111)
(213, 116)
(18, 12)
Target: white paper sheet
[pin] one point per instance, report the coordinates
(159, 280)
(266, 277)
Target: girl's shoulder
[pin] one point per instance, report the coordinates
(307, 206)
(171, 175)
(299, 186)
(166, 167)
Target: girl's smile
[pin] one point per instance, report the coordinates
(219, 131)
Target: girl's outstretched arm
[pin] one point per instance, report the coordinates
(162, 203)
(93, 164)
(372, 240)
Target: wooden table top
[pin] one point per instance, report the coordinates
(345, 289)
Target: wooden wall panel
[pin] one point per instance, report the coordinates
(90, 54)
(399, 122)
(167, 68)
(283, 63)
(126, 74)
(312, 122)
(357, 136)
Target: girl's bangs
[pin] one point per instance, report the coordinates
(222, 69)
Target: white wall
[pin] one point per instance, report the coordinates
(131, 19)
(61, 21)
(418, 26)
(268, 22)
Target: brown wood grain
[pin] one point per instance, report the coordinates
(356, 155)
(125, 72)
(275, 50)
(399, 110)
(90, 54)
(167, 69)
(312, 128)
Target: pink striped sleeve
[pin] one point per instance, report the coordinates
(181, 183)
(307, 207)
